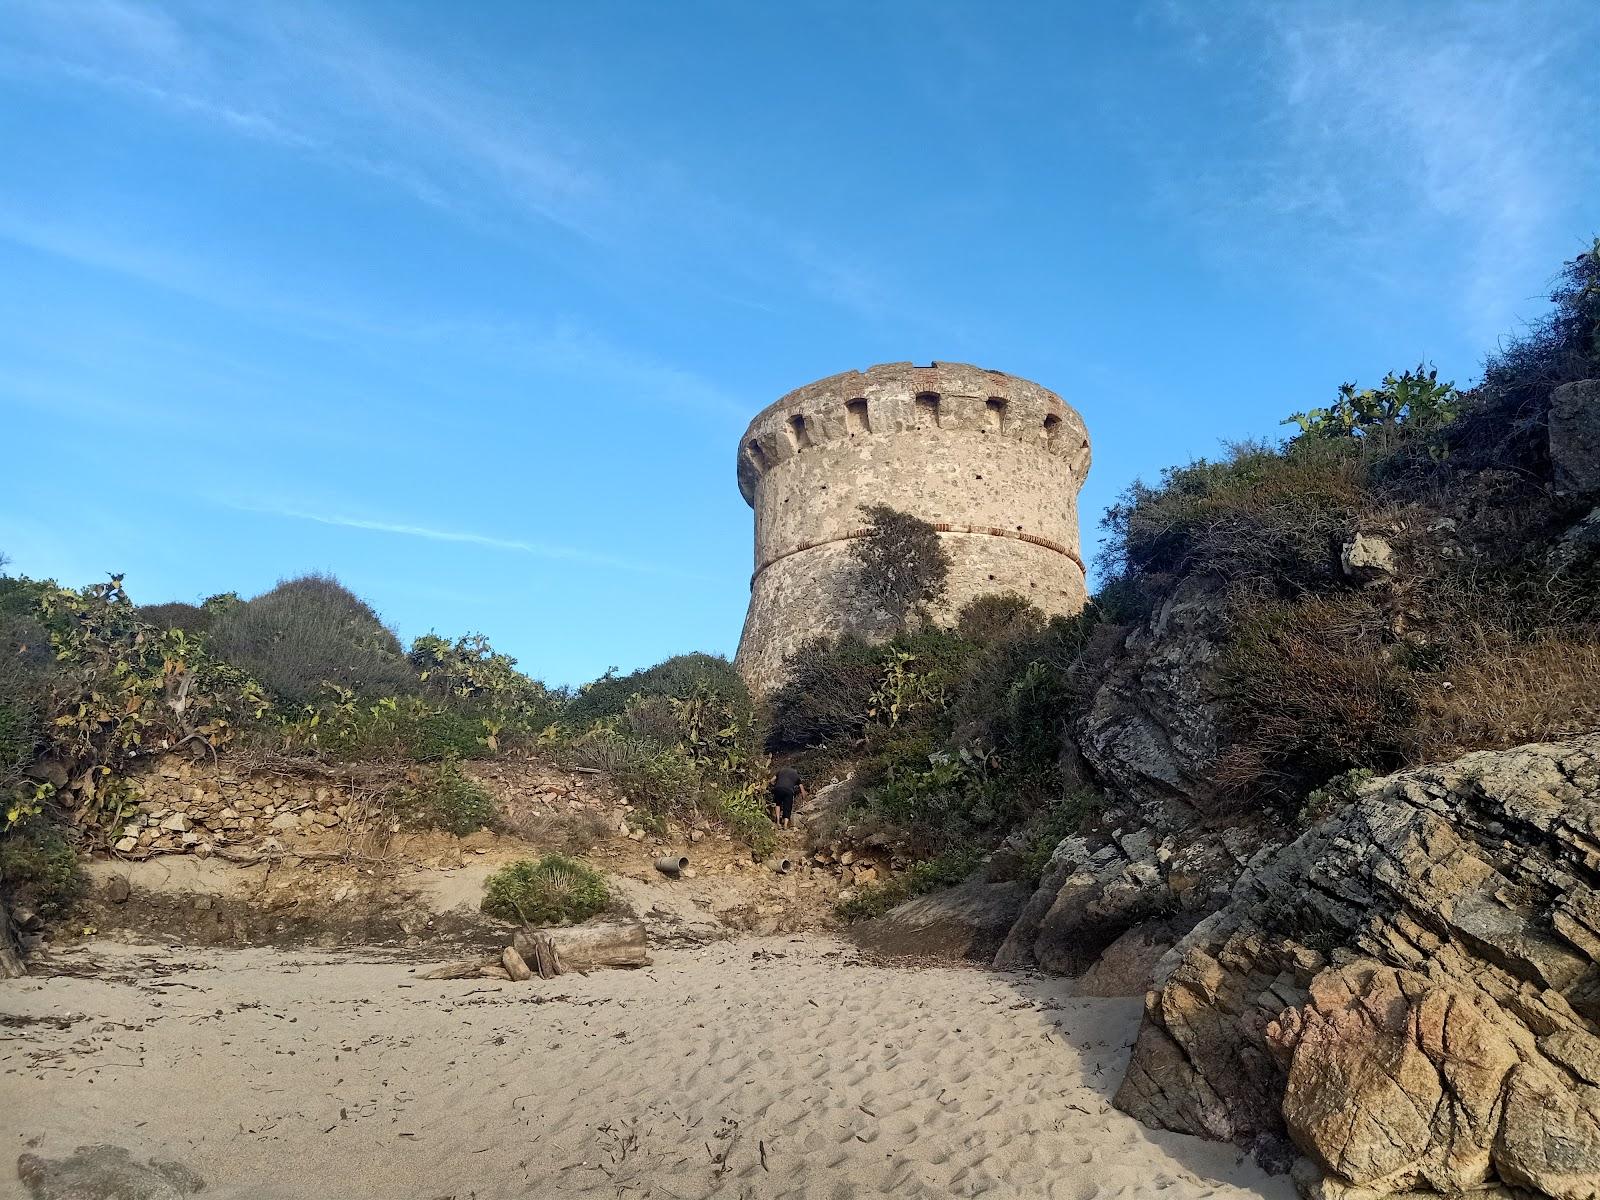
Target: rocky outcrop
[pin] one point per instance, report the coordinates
(1410, 990)
(964, 922)
(1575, 438)
(1150, 730)
(1148, 736)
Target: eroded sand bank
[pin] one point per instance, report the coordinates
(764, 1067)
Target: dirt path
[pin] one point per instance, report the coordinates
(758, 1067)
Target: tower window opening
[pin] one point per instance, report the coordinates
(1052, 429)
(928, 407)
(799, 434)
(995, 412)
(856, 419)
(758, 455)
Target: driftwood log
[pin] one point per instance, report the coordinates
(555, 950)
(583, 947)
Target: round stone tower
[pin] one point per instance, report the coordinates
(992, 461)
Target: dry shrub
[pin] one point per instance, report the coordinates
(1508, 694)
(1264, 515)
(1311, 688)
(562, 832)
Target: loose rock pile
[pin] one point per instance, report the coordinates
(201, 807)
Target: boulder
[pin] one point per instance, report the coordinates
(1575, 438)
(967, 921)
(1128, 965)
(1367, 558)
(1409, 990)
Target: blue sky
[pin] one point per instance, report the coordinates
(470, 303)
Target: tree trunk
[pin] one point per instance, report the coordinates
(585, 947)
(11, 965)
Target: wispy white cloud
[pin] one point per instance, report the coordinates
(306, 79)
(1381, 134)
(544, 550)
(560, 345)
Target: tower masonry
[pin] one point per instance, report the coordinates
(993, 462)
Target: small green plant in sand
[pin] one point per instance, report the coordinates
(554, 890)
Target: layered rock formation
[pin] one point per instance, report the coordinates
(1409, 990)
(1148, 735)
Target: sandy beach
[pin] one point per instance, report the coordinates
(759, 1067)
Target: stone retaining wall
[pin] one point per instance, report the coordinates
(202, 806)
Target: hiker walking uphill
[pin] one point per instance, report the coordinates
(786, 788)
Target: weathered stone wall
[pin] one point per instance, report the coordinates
(202, 806)
(993, 461)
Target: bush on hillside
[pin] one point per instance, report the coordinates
(310, 631)
(680, 739)
(554, 890)
(955, 736)
(469, 675)
(27, 672)
(38, 868)
(190, 618)
(826, 693)
(675, 677)
(447, 799)
(1263, 516)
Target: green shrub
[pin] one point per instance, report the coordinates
(660, 781)
(309, 631)
(341, 727)
(875, 899)
(554, 890)
(999, 616)
(1310, 689)
(678, 677)
(39, 869)
(470, 676)
(1064, 817)
(1264, 515)
(744, 811)
(826, 694)
(191, 618)
(26, 683)
(448, 799)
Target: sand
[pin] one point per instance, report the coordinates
(758, 1067)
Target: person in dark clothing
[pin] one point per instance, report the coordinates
(786, 788)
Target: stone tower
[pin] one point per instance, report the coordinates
(992, 461)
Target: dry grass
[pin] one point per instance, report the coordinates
(1509, 694)
(1311, 688)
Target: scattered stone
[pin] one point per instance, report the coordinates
(118, 889)
(1367, 557)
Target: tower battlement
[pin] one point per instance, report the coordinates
(994, 462)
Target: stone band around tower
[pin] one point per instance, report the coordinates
(992, 461)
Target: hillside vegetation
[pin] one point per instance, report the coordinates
(1406, 576)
